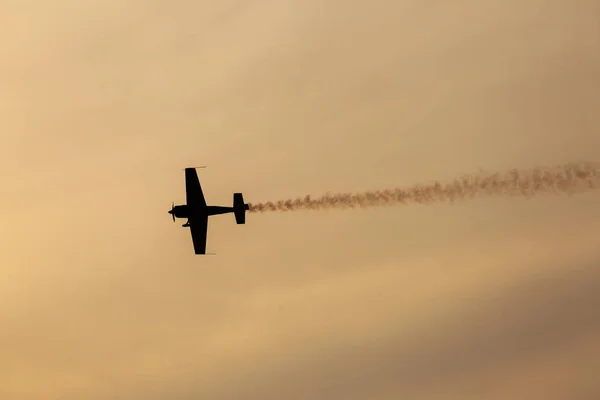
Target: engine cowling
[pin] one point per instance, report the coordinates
(181, 211)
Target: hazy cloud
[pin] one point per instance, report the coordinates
(104, 103)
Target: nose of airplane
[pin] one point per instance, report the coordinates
(172, 211)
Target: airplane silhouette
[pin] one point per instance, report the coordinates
(197, 211)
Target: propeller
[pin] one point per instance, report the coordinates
(172, 212)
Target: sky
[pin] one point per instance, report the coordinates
(103, 103)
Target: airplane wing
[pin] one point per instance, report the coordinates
(199, 228)
(194, 195)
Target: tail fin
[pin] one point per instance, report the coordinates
(239, 208)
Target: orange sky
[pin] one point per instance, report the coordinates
(103, 104)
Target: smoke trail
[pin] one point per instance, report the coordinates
(567, 179)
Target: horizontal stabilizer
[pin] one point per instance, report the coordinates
(239, 208)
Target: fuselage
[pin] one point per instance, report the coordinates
(184, 211)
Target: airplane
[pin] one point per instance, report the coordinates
(197, 211)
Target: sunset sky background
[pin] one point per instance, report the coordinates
(103, 103)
